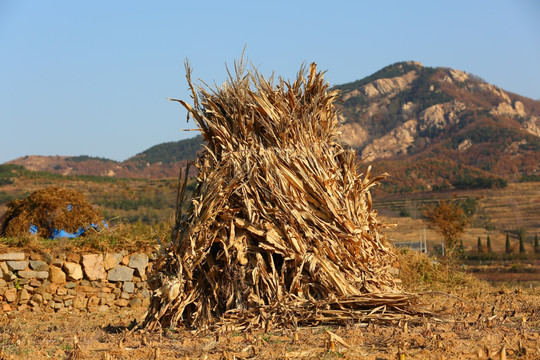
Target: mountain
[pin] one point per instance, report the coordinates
(170, 152)
(434, 128)
(160, 161)
(429, 128)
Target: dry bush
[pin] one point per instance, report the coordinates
(49, 209)
(419, 273)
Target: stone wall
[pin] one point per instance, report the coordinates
(74, 282)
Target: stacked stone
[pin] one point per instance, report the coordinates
(74, 282)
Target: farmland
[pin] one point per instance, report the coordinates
(474, 318)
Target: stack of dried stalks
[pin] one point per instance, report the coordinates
(280, 228)
(48, 209)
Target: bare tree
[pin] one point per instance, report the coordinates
(449, 219)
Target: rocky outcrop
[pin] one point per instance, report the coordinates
(396, 142)
(440, 115)
(455, 76)
(464, 145)
(354, 134)
(388, 86)
(532, 126)
(62, 283)
(506, 109)
(484, 87)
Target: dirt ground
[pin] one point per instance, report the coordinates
(478, 326)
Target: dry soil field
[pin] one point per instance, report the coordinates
(474, 321)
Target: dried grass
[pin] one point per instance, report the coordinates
(280, 229)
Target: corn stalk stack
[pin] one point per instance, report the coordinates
(280, 229)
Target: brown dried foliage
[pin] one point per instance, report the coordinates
(48, 209)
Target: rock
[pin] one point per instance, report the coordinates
(73, 257)
(532, 126)
(464, 145)
(97, 284)
(103, 308)
(22, 307)
(6, 308)
(6, 274)
(128, 287)
(11, 295)
(139, 262)
(70, 285)
(73, 270)
(17, 265)
(58, 305)
(354, 134)
(120, 273)
(112, 260)
(37, 298)
(56, 275)
(39, 265)
(389, 85)
(395, 142)
(47, 258)
(136, 302)
(42, 274)
(58, 262)
(28, 274)
(93, 266)
(79, 302)
(458, 76)
(12, 256)
(93, 301)
(36, 283)
(86, 289)
(121, 302)
(145, 293)
(68, 303)
(24, 295)
(61, 291)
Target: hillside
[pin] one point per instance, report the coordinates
(160, 161)
(429, 128)
(436, 128)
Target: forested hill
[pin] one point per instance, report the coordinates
(171, 152)
(429, 128)
(440, 128)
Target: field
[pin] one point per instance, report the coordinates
(474, 318)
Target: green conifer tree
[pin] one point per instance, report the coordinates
(479, 244)
(489, 249)
(522, 243)
(536, 245)
(508, 248)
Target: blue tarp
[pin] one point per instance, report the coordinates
(61, 233)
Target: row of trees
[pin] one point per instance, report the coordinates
(449, 219)
(508, 245)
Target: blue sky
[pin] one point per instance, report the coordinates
(92, 78)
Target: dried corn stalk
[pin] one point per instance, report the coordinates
(280, 225)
